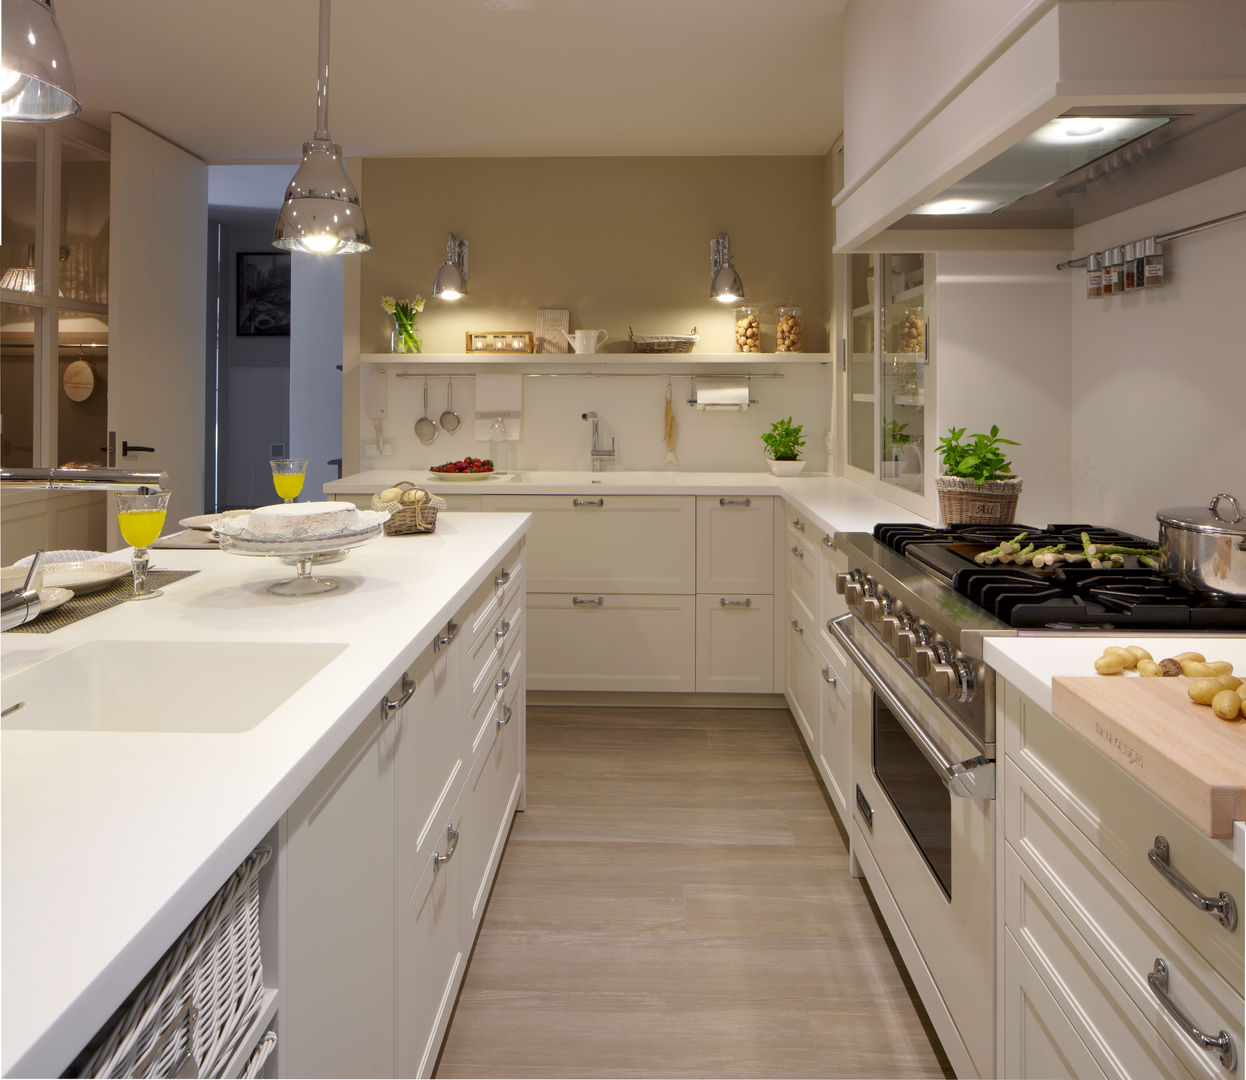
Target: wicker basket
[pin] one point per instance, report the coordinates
(201, 997)
(663, 343)
(404, 520)
(963, 501)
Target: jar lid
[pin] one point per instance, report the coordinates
(1212, 518)
(1094, 261)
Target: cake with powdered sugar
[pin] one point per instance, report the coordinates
(302, 521)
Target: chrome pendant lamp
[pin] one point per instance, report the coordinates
(451, 280)
(321, 213)
(725, 284)
(36, 82)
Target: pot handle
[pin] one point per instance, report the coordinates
(1214, 507)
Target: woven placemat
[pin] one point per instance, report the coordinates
(80, 607)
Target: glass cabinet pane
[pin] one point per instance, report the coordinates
(21, 208)
(81, 390)
(861, 344)
(902, 381)
(83, 255)
(19, 330)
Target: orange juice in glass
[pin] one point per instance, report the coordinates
(140, 518)
(288, 476)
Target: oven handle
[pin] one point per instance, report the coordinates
(973, 778)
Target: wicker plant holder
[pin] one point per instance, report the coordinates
(663, 343)
(404, 520)
(962, 501)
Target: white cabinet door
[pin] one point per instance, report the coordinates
(803, 568)
(735, 544)
(337, 998)
(610, 543)
(803, 675)
(735, 644)
(834, 756)
(604, 641)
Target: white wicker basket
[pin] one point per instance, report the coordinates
(200, 998)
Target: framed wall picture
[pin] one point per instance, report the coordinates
(263, 293)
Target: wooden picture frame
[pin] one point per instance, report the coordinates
(263, 294)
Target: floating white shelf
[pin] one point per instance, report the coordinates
(863, 310)
(915, 293)
(909, 399)
(597, 364)
(863, 399)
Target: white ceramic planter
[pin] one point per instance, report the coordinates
(785, 468)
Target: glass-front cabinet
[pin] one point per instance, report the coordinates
(885, 371)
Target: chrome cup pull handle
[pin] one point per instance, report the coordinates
(735, 502)
(828, 540)
(1223, 909)
(505, 718)
(724, 602)
(798, 524)
(503, 680)
(452, 631)
(588, 502)
(797, 627)
(502, 578)
(828, 678)
(452, 844)
(1221, 1045)
(797, 552)
(587, 601)
(502, 630)
(389, 707)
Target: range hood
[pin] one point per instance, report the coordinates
(1158, 150)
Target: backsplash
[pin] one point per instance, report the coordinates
(631, 410)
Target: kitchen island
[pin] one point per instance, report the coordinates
(113, 840)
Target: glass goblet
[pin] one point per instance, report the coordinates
(288, 476)
(141, 517)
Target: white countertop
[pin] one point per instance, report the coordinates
(834, 503)
(1030, 663)
(112, 842)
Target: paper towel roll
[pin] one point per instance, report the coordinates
(722, 394)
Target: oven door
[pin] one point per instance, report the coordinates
(923, 834)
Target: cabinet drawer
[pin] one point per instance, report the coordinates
(834, 755)
(735, 544)
(1125, 932)
(803, 675)
(735, 644)
(607, 543)
(480, 660)
(1111, 1026)
(430, 940)
(1122, 819)
(482, 608)
(606, 641)
(833, 604)
(803, 567)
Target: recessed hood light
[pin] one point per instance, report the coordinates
(1057, 148)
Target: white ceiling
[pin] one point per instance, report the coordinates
(234, 80)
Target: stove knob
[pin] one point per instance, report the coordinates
(842, 581)
(943, 681)
(852, 593)
(871, 608)
(923, 660)
(891, 628)
(905, 641)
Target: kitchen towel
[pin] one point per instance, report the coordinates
(722, 394)
(498, 395)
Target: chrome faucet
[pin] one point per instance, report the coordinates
(19, 606)
(599, 456)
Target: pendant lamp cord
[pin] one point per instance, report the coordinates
(322, 76)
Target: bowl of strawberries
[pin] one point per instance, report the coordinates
(468, 468)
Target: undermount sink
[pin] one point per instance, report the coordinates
(171, 687)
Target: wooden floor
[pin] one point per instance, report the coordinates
(675, 902)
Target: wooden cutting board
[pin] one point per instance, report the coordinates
(1181, 751)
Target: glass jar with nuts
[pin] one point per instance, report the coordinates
(747, 330)
(911, 332)
(789, 337)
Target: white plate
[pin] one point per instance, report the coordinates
(237, 545)
(205, 522)
(50, 557)
(51, 599)
(463, 475)
(80, 576)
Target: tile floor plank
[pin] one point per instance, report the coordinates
(676, 902)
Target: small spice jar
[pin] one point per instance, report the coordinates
(747, 330)
(1130, 269)
(1152, 263)
(1112, 283)
(790, 335)
(1094, 276)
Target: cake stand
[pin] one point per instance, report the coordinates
(302, 553)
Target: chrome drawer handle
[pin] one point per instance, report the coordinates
(798, 524)
(452, 842)
(503, 577)
(408, 688)
(1224, 909)
(735, 502)
(828, 678)
(797, 627)
(588, 502)
(826, 539)
(505, 718)
(452, 631)
(502, 630)
(797, 552)
(1221, 1045)
(503, 682)
(746, 602)
(586, 601)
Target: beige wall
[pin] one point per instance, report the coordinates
(619, 241)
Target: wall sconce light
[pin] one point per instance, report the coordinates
(451, 280)
(36, 82)
(321, 213)
(725, 283)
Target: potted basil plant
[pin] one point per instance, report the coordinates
(977, 486)
(783, 442)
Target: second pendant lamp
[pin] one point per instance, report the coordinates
(321, 212)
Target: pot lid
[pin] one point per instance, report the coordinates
(1222, 515)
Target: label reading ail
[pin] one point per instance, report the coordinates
(987, 509)
(1134, 757)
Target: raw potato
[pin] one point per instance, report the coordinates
(1111, 664)
(1182, 656)
(1197, 669)
(1204, 690)
(1222, 667)
(1127, 659)
(1226, 704)
(1229, 682)
(1149, 669)
(1138, 652)
(1170, 667)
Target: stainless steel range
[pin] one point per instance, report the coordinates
(921, 603)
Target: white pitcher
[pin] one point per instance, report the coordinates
(585, 341)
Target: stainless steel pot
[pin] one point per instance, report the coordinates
(1205, 548)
